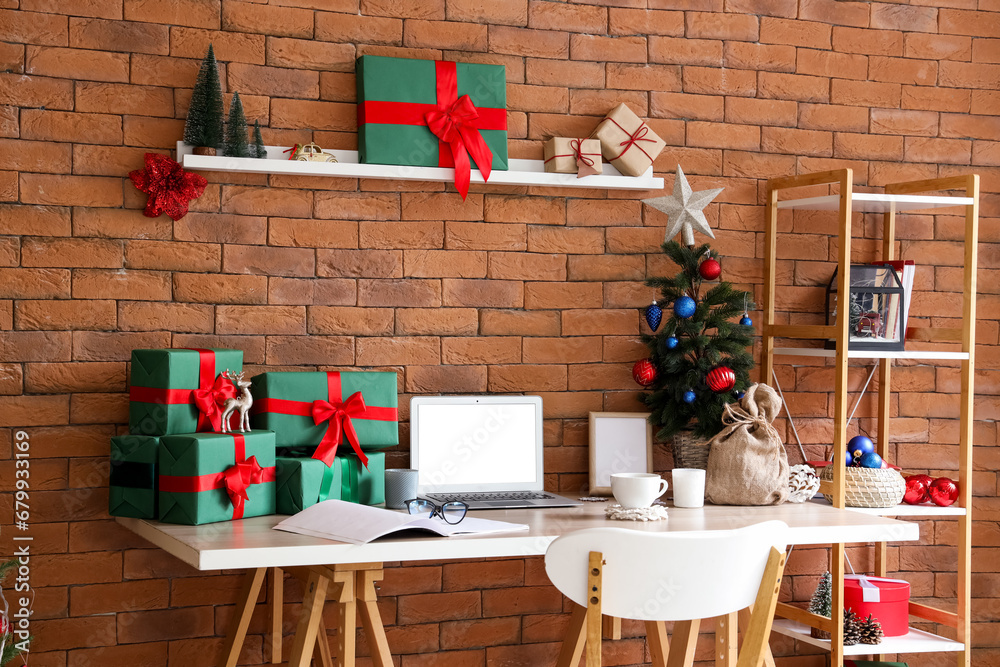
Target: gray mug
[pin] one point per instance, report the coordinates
(400, 486)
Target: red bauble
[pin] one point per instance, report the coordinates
(644, 372)
(916, 490)
(169, 187)
(943, 491)
(721, 379)
(710, 269)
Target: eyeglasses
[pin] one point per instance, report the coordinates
(452, 511)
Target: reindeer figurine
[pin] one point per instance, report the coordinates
(241, 402)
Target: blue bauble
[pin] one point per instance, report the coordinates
(653, 316)
(860, 445)
(671, 342)
(871, 460)
(684, 307)
(849, 461)
(689, 396)
(746, 321)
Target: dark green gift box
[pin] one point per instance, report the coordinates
(132, 484)
(193, 476)
(300, 481)
(284, 403)
(162, 385)
(395, 93)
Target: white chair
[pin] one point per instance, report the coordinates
(663, 576)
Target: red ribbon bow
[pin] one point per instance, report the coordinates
(238, 479)
(584, 164)
(633, 138)
(456, 126)
(339, 415)
(211, 401)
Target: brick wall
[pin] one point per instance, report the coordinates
(516, 289)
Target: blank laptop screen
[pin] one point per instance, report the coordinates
(476, 445)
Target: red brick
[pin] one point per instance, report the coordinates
(606, 267)
(575, 18)
(936, 99)
(359, 263)
(273, 81)
(986, 50)
(687, 107)
(793, 87)
(480, 632)
(838, 12)
(867, 147)
(563, 350)
(537, 98)
(94, 253)
(735, 26)
(224, 228)
(865, 93)
(94, 97)
(271, 20)
(947, 151)
(444, 263)
(266, 201)
(524, 377)
(962, 22)
(177, 317)
(43, 125)
(723, 135)
(21, 90)
(353, 29)
(166, 624)
(150, 132)
(631, 49)
(746, 55)
(34, 28)
(8, 186)
(121, 284)
(313, 233)
(62, 190)
(903, 70)
(526, 266)
(193, 13)
(511, 12)
(127, 36)
(22, 411)
(682, 51)
(483, 236)
(543, 72)
(401, 351)
(439, 379)
(801, 33)
(976, 127)
(82, 64)
(644, 22)
(969, 75)
(217, 288)
(837, 65)
(11, 380)
(937, 47)
(405, 9)
(450, 35)
(437, 321)
(173, 256)
(114, 346)
(18, 346)
(310, 291)
(65, 315)
(272, 320)
(75, 377)
(268, 261)
(229, 46)
(713, 81)
(482, 293)
(310, 350)
(411, 292)
(311, 114)
(752, 111)
(34, 283)
(599, 213)
(578, 241)
(481, 350)
(378, 234)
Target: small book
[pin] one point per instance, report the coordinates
(360, 524)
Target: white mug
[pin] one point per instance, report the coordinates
(689, 487)
(637, 489)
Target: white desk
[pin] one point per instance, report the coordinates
(252, 544)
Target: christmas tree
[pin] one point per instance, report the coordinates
(258, 150)
(822, 600)
(236, 130)
(204, 120)
(699, 356)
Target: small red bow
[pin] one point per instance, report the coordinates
(456, 126)
(339, 415)
(238, 479)
(584, 164)
(291, 150)
(634, 138)
(211, 401)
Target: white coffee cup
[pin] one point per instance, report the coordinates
(689, 487)
(637, 489)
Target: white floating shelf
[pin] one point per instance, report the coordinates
(874, 202)
(521, 172)
(871, 354)
(916, 641)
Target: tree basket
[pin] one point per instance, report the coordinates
(867, 487)
(689, 451)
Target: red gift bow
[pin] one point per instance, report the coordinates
(633, 138)
(211, 402)
(456, 125)
(339, 415)
(238, 478)
(584, 165)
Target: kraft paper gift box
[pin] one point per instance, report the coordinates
(167, 386)
(627, 142)
(564, 155)
(208, 477)
(132, 482)
(328, 413)
(432, 114)
(303, 482)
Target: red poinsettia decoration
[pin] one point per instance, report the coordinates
(169, 187)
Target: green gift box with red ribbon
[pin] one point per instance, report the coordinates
(208, 477)
(180, 390)
(320, 411)
(303, 482)
(432, 114)
(132, 480)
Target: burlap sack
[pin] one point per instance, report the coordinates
(747, 464)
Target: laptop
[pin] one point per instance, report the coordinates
(483, 450)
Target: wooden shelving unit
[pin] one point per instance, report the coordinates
(956, 344)
(521, 172)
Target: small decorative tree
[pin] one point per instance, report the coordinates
(236, 130)
(203, 128)
(259, 149)
(821, 603)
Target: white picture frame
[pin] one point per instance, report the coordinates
(619, 442)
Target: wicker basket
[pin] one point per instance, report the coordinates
(689, 451)
(868, 487)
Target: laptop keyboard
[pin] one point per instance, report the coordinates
(488, 496)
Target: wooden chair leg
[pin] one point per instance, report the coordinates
(594, 594)
(309, 620)
(683, 643)
(744, 616)
(576, 636)
(252, 583)
(277, 604)
(659, 647)
(758, 630)
(370, 618)
(726, 631)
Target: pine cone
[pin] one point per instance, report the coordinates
(871, 631)
(852, 628)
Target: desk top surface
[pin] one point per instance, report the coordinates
(251, 543)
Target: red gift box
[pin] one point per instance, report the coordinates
(888, 600)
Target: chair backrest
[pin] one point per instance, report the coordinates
(663, 576)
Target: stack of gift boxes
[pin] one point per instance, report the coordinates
(311, 438)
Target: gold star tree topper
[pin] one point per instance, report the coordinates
(684, 209)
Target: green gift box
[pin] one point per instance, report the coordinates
(165, 385)
(132, 482)
(303, 482)
(327, 413)
(207, 477)
(401, 102)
